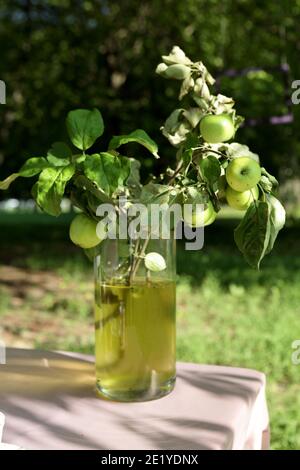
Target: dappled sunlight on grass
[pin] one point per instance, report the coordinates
(227, 312)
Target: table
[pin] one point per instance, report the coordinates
(49, 402)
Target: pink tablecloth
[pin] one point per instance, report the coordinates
(49, 402)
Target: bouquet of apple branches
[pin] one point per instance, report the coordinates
(210, 168)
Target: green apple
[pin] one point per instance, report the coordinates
(243, 173)
(216, 128)
(155, 262)
(83, 231)
(200, 218)
(241, 200)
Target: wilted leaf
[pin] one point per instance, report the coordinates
(236, 150)
(186, 86)
(193, 115)
(176, 56)
(267, 181)
(277, 219)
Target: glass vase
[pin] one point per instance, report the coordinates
(135, 324)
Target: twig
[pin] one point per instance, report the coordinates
(139, 258)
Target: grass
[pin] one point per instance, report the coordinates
(227, 312)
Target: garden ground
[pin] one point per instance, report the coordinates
(227, 312)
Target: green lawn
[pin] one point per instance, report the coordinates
(227, 312)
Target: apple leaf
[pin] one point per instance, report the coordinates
(173, 120)
(152, 192)
(186, 86)
(85, 185)
(133, 181)
(277, 219)
(84, 126)
(31, 167)
(108, 171)
(252, 235)
(176, 56)
(59, 154)
(236, 150)
(4, 184)
(267, 181)
(50, 188)
(193, 115)
(176, 129)
(210, 169)
(139, 136)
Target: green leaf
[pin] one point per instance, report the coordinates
(139, 136)
(153, 192)
(77, 198)
(210, 169)
(84, 127)
(59, 154)
(93, 202)
(133, 181)
(51, 187)
(187, 157)
(86, 185)
(252, 235)
(6, 183)
(193, 196)
(109, 172)
(31, 167)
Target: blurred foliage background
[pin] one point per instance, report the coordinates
(57, 55)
